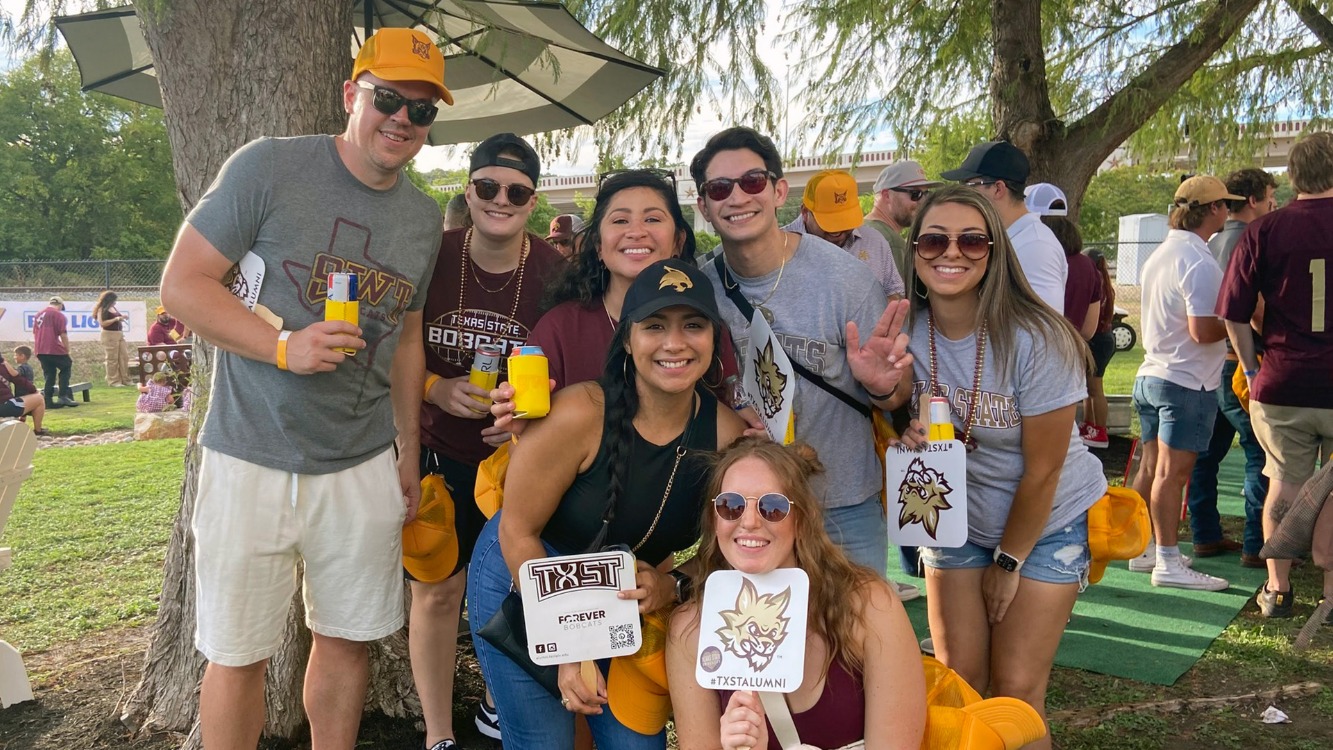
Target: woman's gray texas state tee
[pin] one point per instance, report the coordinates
(293, 203)
(1040, 382)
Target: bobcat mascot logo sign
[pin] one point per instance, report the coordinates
(676, 279)
(922, 496)
(756, 627)
(771, 380)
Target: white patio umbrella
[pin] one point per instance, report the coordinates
(522, 67)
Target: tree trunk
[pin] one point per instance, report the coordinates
(1070, 154)
(231, 71)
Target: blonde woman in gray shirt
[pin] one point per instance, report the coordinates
(1013, 371)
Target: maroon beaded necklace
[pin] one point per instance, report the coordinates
(968, 441)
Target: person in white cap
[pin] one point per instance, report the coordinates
(1175, 390)
(898, 191)
(310, 453)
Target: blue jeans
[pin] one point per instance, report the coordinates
(530, 717)
(1061, 556)
(1178, 416)
(1201, 497)
(860, 531)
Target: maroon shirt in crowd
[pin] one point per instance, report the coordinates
(1082, 288)
(47, 328)
(159, 334)
(451, 336)
(1287, 256)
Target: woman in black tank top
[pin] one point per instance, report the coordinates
(618, 462)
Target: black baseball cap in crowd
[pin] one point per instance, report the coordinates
(490, 153)
(667, 283)
(1000, 160)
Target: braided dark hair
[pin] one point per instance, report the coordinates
(620, 406)
(585, 278)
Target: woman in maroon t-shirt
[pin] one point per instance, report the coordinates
(113, 339)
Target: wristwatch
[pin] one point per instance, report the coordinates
(684, 585)
(1006, 561)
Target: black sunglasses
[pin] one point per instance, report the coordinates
(973, 245)
(913, 194)
(487, 189)
(420, 112)
(665, 175)
(979, 183)
(773, 507)
(752, 182)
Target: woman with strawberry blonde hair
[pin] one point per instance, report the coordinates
(863, 676)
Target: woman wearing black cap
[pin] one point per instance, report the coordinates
(570, 489)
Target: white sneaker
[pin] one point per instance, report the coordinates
(1146, 562)
(928, 646)
(1181, 577)
(906, 591)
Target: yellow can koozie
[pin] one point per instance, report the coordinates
(531, 378)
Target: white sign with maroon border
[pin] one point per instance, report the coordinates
(572, 611)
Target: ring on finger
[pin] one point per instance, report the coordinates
(564, 702)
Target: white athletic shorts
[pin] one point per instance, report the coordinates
(252, 526)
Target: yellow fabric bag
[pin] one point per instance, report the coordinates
(490, 486)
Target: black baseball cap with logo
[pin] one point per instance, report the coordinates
(1000, 160)
(492, 153)
(668, 283)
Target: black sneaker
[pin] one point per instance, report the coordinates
(443, 745)
(1274, 604)
(487, 719)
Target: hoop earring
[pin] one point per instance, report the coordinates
(714, 386)
(624, 369)
(923, 295)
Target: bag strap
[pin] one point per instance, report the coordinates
(779, 717)
(742, 304)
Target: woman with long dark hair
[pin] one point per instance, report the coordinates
(1013, 371)
(570, 489)
(863, 676)
(113, 339)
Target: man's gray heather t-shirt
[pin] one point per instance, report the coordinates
(1040, 382)
(822, 288)
(293, 203)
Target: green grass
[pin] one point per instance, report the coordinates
(89, 532)
(1120, 372)
(109, 409)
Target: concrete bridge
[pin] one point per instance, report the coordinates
(560, 190)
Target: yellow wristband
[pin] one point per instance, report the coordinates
(282, 349)
(430, 380)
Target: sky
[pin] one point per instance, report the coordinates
(582, 160)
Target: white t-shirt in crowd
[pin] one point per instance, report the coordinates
(1042, 257)
(1181, 279)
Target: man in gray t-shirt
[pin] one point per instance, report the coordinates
(816, 298)
(297, 463)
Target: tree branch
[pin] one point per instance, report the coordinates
(1314, 20)
(1126, 110)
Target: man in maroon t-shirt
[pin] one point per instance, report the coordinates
(487, 289)
(51, 342)
(166, 329)
(1287, 258)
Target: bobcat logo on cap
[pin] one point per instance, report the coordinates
(420, 49)
(676, 279)
(839, 198)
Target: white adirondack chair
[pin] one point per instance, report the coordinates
(17, 444)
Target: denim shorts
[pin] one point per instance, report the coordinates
(1060, 557)
(1178, 416)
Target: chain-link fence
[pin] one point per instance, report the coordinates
(79, 277)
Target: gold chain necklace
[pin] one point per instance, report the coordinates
(680, 453)
(607, 310)
(518, 271)
(968, 442)
(786, 239)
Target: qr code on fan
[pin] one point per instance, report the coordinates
(622, 637)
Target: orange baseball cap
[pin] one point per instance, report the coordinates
(636, 686)
(430, 542)
(397, 54)
(831, 197)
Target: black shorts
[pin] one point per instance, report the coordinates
(1103, 348)
(461, 479)
(12, 408)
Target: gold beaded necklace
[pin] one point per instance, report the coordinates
(968, 441)
(518, 271)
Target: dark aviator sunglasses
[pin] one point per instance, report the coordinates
(773, 507)
(420, 112)
(973, 245)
